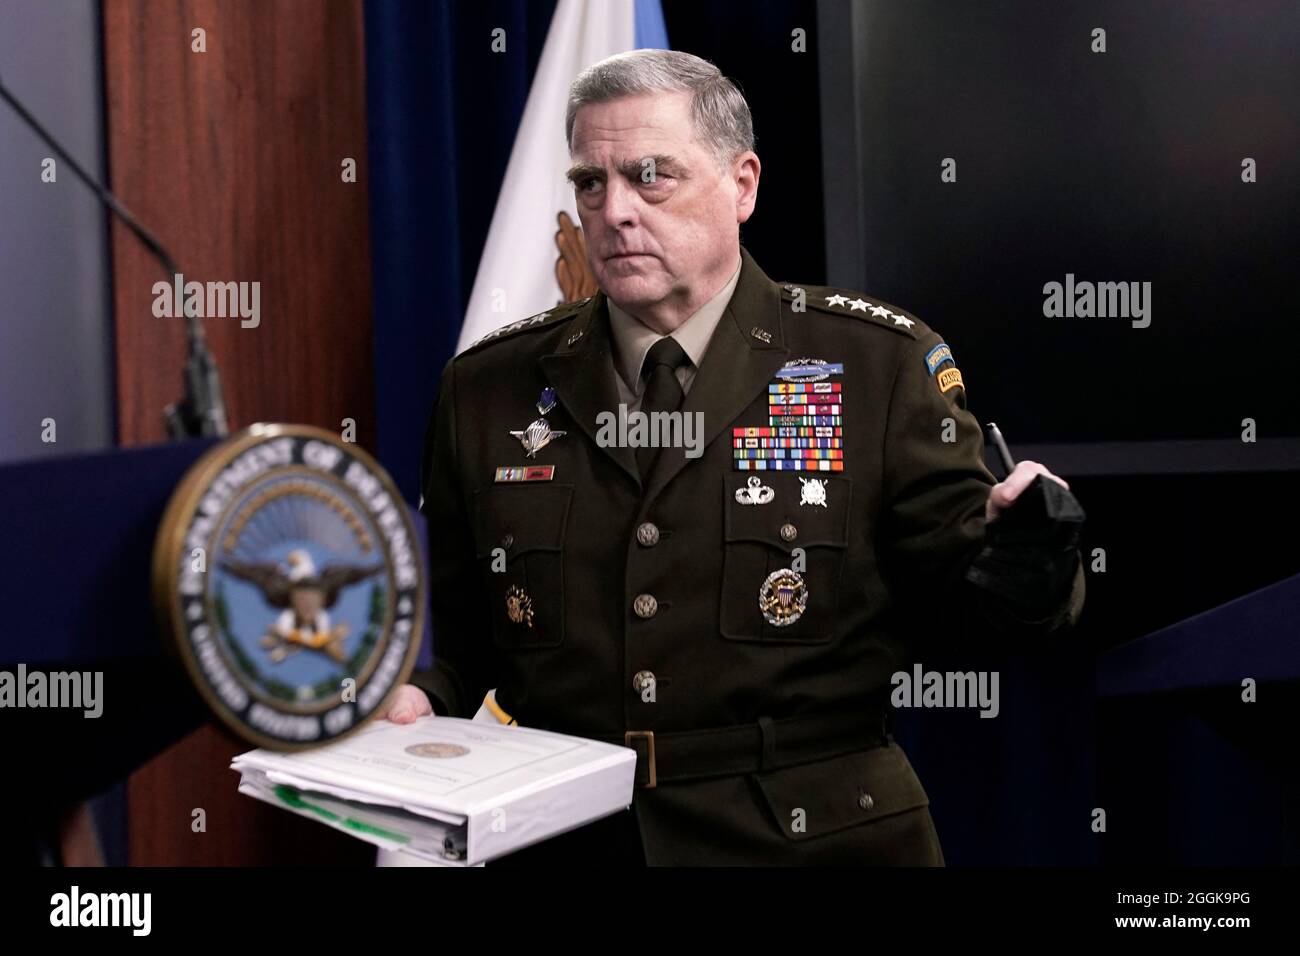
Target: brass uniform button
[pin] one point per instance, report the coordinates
(642, 680)
(647, 534)
(865, 802)
(789, 532)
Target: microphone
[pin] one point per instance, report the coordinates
(202, 410)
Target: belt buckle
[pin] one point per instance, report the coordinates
(649, 736)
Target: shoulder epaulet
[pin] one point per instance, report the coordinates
(541, 320)
(854, 305)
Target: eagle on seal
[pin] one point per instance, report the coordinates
(306, 594)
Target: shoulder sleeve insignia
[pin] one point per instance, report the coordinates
(950, 378)
(937, 356)
(941, 365)
(839, 302)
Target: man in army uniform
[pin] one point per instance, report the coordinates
(735, 614)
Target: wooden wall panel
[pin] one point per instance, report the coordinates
(232, 158)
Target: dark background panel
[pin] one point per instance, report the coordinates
(755, 49)
(1115, 166)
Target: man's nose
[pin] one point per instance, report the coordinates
(621, 202)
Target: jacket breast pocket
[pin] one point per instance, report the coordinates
(785, 540)
(519, 539)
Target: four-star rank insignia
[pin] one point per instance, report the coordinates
(883, 314)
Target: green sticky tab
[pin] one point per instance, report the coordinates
(293, 798)
(367, 828)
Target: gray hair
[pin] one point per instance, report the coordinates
(719, 112)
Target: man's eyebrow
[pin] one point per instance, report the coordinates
(582, 170)
(632, 168)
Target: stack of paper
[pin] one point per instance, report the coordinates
(457, 792)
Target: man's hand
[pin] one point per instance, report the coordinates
(408, 703)
(1008, 490)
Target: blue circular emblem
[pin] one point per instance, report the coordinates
(289, 574)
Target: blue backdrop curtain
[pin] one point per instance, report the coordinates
(442, 114)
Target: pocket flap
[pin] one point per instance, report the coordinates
(519, 517)
(841, 792)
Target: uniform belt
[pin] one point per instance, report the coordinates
(765, 744)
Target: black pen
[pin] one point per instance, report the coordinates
(1000, 444)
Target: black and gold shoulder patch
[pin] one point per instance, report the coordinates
(542, 319)
(854, 305)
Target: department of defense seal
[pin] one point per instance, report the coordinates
(288, 574)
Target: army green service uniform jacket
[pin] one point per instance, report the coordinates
(602, 607)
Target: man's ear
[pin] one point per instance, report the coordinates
(745, 170)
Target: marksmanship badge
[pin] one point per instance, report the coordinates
(288, 573)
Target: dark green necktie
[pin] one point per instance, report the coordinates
(663, 393)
